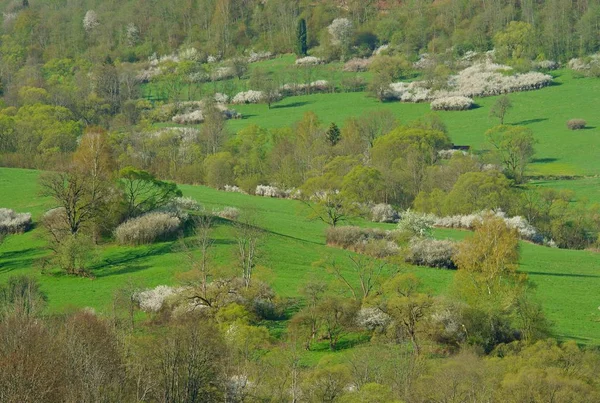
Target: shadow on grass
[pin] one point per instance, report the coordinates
(247, 116)
(129, 269)
(19, 253)
(129, 256)
(291, 105)
(528, 122)
(539, 273)
(589, 128)
(543, 160)
(17, 264)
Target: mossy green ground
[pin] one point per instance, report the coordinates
(567, 281)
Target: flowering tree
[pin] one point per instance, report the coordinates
(90, 21)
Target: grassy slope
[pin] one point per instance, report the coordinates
(567, 281)
(559, 150)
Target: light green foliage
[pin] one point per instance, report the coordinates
(514, 145)
(476, 191)
(516, 41)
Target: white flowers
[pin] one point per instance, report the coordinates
(456, 103)
(308, 61)
(90, 21)
(229, 213)
(340, 30)
(12, 222)
(416, 224)
(384, 213)
(272, 191)
(152, 300)
(409, 92)
(147, 228)
(258, 56)
(250, 97)
(315, 86)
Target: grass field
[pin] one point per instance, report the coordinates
(567, 281)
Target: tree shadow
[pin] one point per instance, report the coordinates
(129, 269)
(19, 253)
(589, 128)
(291, 105)
(539, 273)
(131, 256)
(528, 122)
(247, 116)
(16, 264)
(543, 160)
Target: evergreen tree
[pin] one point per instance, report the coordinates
(333, 134)
(301, 44)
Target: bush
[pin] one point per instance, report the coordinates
(308, 61)
(355, 238)
(416, 224)
(576, 124)
(452, 104)
(431, 253)
(14, 223)
(384, 213)
(228, 213)
(372, 318)
(356, 65)
(152, 300)
(147, 229)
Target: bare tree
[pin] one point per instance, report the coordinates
(247, 237)
(201, 265)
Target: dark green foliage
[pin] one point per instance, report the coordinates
(301, 38)
(333, 134)
(142, 192)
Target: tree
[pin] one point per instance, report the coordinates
(488, 259)
(301, 38)
(213, 131)
(331, 207)
(514, 145)
(239, 65)
(247, 237)
(201, 266)
(142, 192)
(337, 317)
(501, 107)
(385, 70)
(333, 134)
(515, 41)
(363, 185)
(407, 306)
(365, 271)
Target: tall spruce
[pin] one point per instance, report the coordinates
(301, 44)
(333, 134)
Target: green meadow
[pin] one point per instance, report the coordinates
(566, 282)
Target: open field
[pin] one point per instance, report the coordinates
(567, 281)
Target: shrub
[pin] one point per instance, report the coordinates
(308, 61)
(229, 213)
(14, 223)
(356, 65)
(259, 56)
(152, 300)
(384, 213)
(147, 228)
(372, 318)
(272, 191)
(456, 103)
(431, 253)
(354, 238)
(186, 203)
(576, 124)
(416, 224)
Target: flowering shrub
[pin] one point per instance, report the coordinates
(354, 238)
(431, 253)
(248, 97)
(234, 189)
(469, 221)
(222, 73)
(456, 103)
(576, 124)
(296, 89)
(409, 92)
(546, 65)
(185, 203)
(152, 300)
(309, 61)
(340, 30)
(584, 65)
(259, 56)
(372, 318)
(147, 228)
(384, 213)
(271, 191)
(381, 49)
(487, 79)
(14, 223)
(229, 213)
(416, 224)
(356, 65)
(90, 21)
(448, 154)
(221, 98)
(196, 116)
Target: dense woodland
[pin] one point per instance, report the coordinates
(119, 103)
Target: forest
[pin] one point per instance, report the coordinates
(299, 201)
